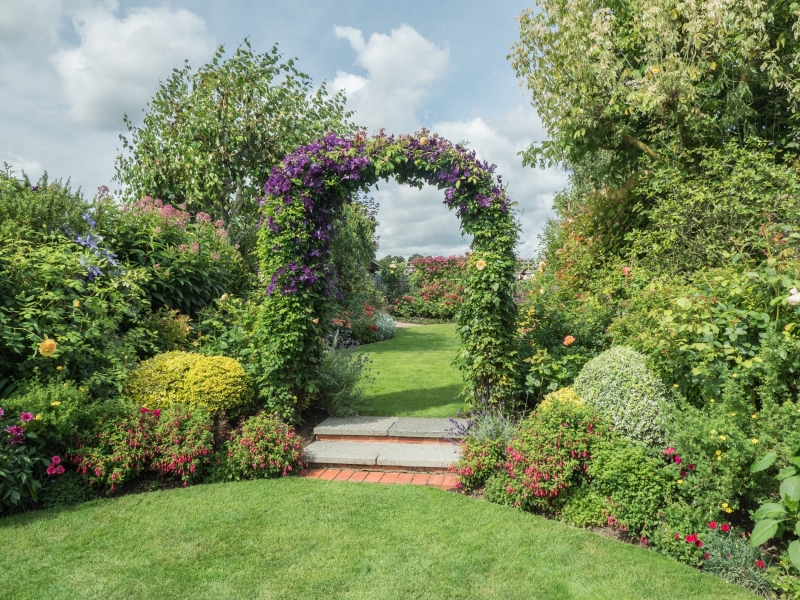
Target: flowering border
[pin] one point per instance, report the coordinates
(303, 199)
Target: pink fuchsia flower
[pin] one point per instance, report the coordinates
(157, 413)
(144, 410)
(699, 543)
(677, 459)
(725, 528)
(25, 417)
(712, 525)
(760, 564)
(55, 460)
(690, 466)
(677, 536)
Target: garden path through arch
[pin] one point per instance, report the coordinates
(303, 197)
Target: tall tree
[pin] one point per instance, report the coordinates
(209, 138)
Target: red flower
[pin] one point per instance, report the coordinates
(706, 556)
(669, 451)
(677, 459)
(145, 410)
(690, 466)
(156, 412)
(691, 539)
(677, 536)
(712, 525)
(699, 543)
(55, 460)
(627, 272)
(725, 528)
(760, 564)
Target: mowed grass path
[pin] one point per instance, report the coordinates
(300, 538)
(413, 373)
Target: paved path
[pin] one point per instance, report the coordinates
(404, 444)
(443, 482)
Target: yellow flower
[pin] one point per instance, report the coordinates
(724, 505)
(719, 452)
(723, 438)
(680, 481)
(76, 304)
(65, 384)
(59, 367)
(735, 375)
(315, 321)
(728, 510)
(55, 403)
(674, 385)
(719, 458)
(733, 414)
(713, 432)
(754, 440)
(712, 401)
(754, 417)
(38, 417)
(480, 265)
(47, 347)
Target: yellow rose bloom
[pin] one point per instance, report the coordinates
(38, 417)
(680, 481)
(724, 505)
(55, 403)
(719, 452)
(480, 265)
(728, 510)
(723, 438)
(47, 347)
(754, 417)
(719, 458)
(754, 440)
(713, 432)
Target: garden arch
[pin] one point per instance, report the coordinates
(302, 198)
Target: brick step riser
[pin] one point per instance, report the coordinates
(379, 468)
(376, 438)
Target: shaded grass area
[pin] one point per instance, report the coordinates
(413, 373)
(300, 538)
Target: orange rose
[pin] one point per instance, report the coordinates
(47, 347)
(568, 340)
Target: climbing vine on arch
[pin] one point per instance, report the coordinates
(303, 198)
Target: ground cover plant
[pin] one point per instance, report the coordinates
(413, 374)
(356, 540)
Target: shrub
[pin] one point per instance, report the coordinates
(61, 411)
(584, 509)
(548, 456)
(70, 488)
(264, 446)
(342, 374)
(620, 385)
(22, 461)
(386, 327)
(213, 383)
(633, 483)
(54, 289)
(177, 442)
(435, 288)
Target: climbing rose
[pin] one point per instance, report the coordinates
(794, 297)
(480, 265)
(55, 460)
(47, 347)
(569, 340)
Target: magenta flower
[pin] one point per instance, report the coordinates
(55, 460)
(25, 417)
(145, 410)
(2, 412)
(156, 412)
(15, 429)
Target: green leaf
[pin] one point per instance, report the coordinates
(763, 531)
(786, 472)
(771, 510)
(791, 488)
(765, 463)
(794, 553)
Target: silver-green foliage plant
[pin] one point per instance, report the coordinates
(619, 383)
(386, 327)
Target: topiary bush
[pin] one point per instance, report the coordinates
(213, 383)
(622, 387)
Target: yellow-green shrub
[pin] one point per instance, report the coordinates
(566, 394)
(214, 383)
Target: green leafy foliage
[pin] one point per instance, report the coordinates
(264, 446)
(435, 289)
(209, 138)
(215, 384)
(621, 386)
(22, 462)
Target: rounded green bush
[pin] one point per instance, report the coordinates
(622, 387)
(213, 383)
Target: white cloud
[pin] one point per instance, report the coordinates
(26, 23)
(402, 68)
(118, 64)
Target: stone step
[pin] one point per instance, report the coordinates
(444, 482)
(408, 430)
(381, 456)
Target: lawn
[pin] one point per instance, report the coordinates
(300, 538)
(413, 373)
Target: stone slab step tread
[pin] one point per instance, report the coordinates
(381, 454)
(414, 427)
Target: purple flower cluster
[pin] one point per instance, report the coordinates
(305, 193)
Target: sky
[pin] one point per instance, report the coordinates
(70, 69)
